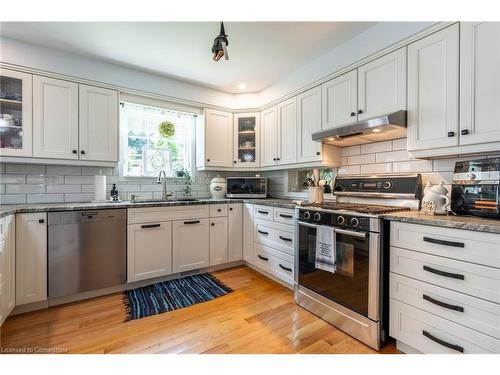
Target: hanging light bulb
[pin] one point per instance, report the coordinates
(219, 48)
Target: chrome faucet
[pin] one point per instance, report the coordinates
(164, 194)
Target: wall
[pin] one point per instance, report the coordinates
(33, 183)
(57, 61)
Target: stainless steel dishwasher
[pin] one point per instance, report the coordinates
(87, 250)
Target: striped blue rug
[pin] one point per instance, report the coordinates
(172, 295)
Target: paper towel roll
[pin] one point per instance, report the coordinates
(100, 188)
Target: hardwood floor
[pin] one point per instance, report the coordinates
(260, 316)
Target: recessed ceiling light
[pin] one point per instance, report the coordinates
(376, 130)
(242, 86)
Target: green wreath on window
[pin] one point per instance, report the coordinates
(166, 129)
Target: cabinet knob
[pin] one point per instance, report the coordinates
(277, 158)
(82, 152)
(451, 134)
(208, 159)
(464, 131)
(353, 114)
(230, 208)
(274, 159)
(218, 210)
(41, 221)
(360, 111)
(235, 162)
(74, 151)
(318, 153)
(213, 224)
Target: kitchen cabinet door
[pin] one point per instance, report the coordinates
(149, 251)
(235, 232)
(340, 100)
(31, 258)
(246, 140)
(98, 123)
(9, 295)
(55, 118)
(308, 122)
(191, 245)
(218, 240)
(479, 82)
(433, 67)
(287, 128)
(16, 107)
(382, 85)
(269, 137)
(248, 230)
(218, 139)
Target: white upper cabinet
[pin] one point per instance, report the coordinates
(382, 85)
(308, 122)
(340, 100)
(246, 140)
(269, 137)
(433, 72)
(16, 128)
(479, 82)
(98, 124)
(287, 128)
(218, 139)
(55, 118)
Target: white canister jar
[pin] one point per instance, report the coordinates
(218, 187)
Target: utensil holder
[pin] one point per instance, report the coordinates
(315, 194)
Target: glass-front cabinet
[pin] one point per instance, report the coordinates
(246, 140)
(15, 113)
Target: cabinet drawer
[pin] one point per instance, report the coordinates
(217, 210)
(475, 247)
(431, 334)
(263, 212)
(468, 278)
(159, 214)
(275, 235)
(284, 215)
(271, 261)
(475, 313)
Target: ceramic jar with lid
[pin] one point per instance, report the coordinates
(218, 187)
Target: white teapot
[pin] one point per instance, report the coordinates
(437, 194)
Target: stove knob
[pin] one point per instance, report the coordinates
(354, 221)
(340, 219)
(317, 216)
(307, 215)
(472, 176)
(387, 185)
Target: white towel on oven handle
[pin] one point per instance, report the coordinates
(325, 249)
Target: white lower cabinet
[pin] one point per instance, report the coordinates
(191, 244)
(248, 229)
(31, 258)
(444, 295)
(9, 269)
(149, 251)
(235, 232)
(218, 241)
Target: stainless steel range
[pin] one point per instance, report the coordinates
(354, 297)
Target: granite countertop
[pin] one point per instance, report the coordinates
(474, 223)
(45, 207)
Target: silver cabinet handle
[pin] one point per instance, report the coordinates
(350, 233)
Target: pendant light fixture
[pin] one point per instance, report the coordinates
(219, 47)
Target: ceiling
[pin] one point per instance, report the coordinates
(261, 53)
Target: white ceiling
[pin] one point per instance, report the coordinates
(261, 53)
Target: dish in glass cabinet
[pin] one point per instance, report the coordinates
(247, 157)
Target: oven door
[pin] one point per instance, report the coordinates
(355, 283)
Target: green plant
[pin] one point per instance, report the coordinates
(187, 182)
(166, 129)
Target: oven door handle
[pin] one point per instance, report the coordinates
(308, 225)
(350, 233)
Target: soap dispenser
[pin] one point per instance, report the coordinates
(114, 193)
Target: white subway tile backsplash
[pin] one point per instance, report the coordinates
(361, 159)
(78, 197)
(370, 148)
(349, 169)
(437, 177)
(13, 198)
(24, 189)
(444, 165)
(95, 171)
(2, 188)
(413, 166)
(80, 180)
(44, 198)
(64, 170)
(399, 144)
(25, 168)
(351, 150)
(151, 187)
(392, 156)
(376, 168)
(64, 188)
(12, 179)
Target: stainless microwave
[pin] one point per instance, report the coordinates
(246, 187)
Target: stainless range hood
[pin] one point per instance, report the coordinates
(383, 128)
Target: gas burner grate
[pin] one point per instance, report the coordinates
(360, 208)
